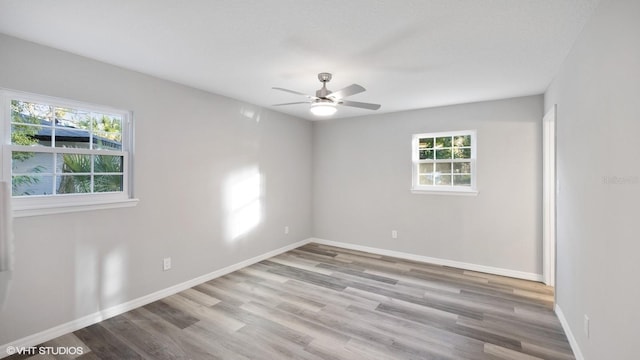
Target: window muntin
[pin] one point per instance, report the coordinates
(59, 151)
(444, 161)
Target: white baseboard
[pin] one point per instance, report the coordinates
(567, 330)
(96, 317)
(437, 261)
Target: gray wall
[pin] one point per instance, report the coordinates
(362, 177)
(191, 146)
(598, 95)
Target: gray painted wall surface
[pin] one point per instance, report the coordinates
(598, 95)
(362, 177)
(192, 148)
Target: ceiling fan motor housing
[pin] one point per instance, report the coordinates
(324, 79)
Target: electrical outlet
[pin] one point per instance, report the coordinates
(166, 264)
(586, 326)
(286, 230)
(394, 234)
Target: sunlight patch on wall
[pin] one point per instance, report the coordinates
(250, 114)
(243, 196)
(113, 276)
(100, 277)
(87, 279)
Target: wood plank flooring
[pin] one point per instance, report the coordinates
(323, 302)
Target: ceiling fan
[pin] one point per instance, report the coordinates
(325, 101)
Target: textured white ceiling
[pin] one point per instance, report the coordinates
(408, 54)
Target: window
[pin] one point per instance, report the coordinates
(62, 156)
(444, 162)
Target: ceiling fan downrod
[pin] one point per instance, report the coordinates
(324, 79)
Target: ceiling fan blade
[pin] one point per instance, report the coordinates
(293, 103)
(360, 105)
(293, 92)
(348, 91)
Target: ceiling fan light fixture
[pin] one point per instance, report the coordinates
(325, 102)
(323, 109)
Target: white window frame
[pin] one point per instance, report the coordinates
(416, 188)
(64, 203)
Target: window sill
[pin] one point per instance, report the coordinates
(62, 208)
(454, 192)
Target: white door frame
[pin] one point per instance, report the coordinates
(549, 196)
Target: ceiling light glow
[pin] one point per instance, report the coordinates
(323, 109)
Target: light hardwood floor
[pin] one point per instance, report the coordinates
(323, 302)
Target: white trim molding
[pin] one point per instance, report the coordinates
(101, 315)
(567, 330)
(445, 192)
(437, 261)
(549, 192)
(63, 208)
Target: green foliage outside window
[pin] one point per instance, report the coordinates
(29, 118)
(80, 163)
(21, 112)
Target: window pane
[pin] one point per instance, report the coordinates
(443, 154)
(109, 141)
(443, 142)
(462, 180)
(107, 183)
(107, 164)
(31, 162)
(73, 163)
(30, 113)
(73, 184)
(72, 118)
(462, 167)
(425, 180)
(426, 154)
(461, 153)
(28, 135)
(29, 185)
(443, 168)
(426, 143)
(107, 123)
(72, 167)
(72, 138)
(425, 168)
(444, 161)
(442, 180)
(462, 140)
